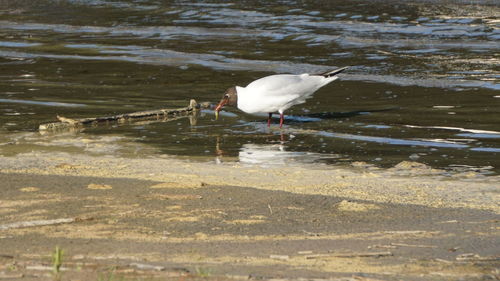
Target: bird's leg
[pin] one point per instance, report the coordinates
(282, 119)
(269, 120)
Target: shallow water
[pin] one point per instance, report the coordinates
(423, 83)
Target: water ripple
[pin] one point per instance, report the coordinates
(43, 103)
(219, 62)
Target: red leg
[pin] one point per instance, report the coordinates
(269, 120)
(282, 119)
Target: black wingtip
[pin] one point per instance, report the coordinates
(331, 73)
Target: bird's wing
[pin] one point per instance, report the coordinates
(279, 92)
(286, 85)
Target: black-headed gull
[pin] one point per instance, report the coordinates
(276, 93)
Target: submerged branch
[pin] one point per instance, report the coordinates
(65, 123)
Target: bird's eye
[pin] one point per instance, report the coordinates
(226, 96)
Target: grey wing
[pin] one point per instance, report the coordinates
(286, 84)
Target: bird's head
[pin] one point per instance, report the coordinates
(229, 98)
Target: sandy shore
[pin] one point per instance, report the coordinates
(157, 219)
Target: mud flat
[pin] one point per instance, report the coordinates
(169, 219)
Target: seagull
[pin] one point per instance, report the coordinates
(276, 93)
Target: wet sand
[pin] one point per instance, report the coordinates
(162, 219)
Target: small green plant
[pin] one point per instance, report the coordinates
(203, 272)
(110, 276)
(12, 267)
(57, 260)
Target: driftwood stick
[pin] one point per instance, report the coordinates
(280, 257)
(412, 245)
(144, 266)
(24, 224)
(406, 232)
(11, 276)
(474, 257)
(382, 246)
(65, 122)
(349, 255)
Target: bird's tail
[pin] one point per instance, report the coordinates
(331, 73)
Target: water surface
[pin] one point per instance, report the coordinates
(422, 86)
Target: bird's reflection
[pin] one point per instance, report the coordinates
(249, 150)
(268, 154)
(278, 154)
(264, 154)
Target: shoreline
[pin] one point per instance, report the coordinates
(172, 219)
(406, 183)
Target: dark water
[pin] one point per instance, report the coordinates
(423, 83)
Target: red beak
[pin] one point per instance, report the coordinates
(219, 107)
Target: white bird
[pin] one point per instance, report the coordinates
(276, 93)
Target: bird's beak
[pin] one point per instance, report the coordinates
(219, 107)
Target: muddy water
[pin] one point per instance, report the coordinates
(423, 83)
